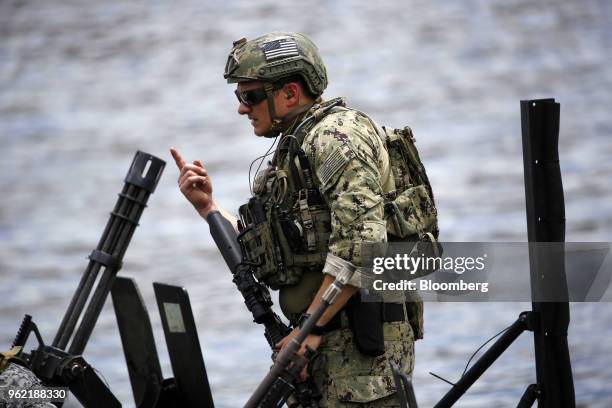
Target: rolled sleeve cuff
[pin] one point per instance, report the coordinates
(334, 264)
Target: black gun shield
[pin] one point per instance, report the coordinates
(138, 342)
(183, 346)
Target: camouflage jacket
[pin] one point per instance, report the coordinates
(321, 197)
(351, 167)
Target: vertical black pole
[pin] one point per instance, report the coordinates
(546, 223)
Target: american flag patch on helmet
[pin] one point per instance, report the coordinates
(284, 47)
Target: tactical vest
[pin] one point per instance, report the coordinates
(286, 224)
(285, 227)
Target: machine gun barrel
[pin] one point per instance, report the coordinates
(140, 183)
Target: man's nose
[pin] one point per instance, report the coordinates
(243, 109)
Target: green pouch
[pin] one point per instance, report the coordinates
(261, 246)
(411, 213)
(258, 245)
(415, 317)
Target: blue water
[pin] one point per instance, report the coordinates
(84, 85)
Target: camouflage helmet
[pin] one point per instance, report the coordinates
(275, 56)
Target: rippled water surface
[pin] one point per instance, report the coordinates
(84, 85)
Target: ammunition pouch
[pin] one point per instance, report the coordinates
(259, 245)
(282, 243)
(315, 218)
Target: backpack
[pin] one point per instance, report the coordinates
(410, 209)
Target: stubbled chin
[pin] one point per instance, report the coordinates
(259, 131)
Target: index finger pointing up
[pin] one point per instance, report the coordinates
(177, 158)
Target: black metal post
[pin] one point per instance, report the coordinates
(549, 319)
(529, 396)
(545, 224)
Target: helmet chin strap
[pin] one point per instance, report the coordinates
(278, 124)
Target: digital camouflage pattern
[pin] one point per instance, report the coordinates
(411, 212)
(15, 376)
(353, 178)
(353, 174)
(275, 56)
(346, 377)
(352, 171)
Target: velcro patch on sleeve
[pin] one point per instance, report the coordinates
(333, 164)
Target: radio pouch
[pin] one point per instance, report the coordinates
(365, 321)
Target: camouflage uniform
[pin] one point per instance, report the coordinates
(346, 377)
(338, 210)
(353, 183)
(351, 166)
(17, 377)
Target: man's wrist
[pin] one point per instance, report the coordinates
(205, 211)
(316, 330)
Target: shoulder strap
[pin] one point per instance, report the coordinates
(316, 114)
(299, 165)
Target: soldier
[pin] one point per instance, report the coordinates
(320, 198)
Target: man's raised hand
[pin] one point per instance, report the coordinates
(194, 183)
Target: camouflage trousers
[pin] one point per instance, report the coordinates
(348, 379)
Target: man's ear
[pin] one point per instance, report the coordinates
(292, 93)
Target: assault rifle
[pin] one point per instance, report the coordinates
(258, 301)
(60, 365)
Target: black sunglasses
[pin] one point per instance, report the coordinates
(251, 97)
